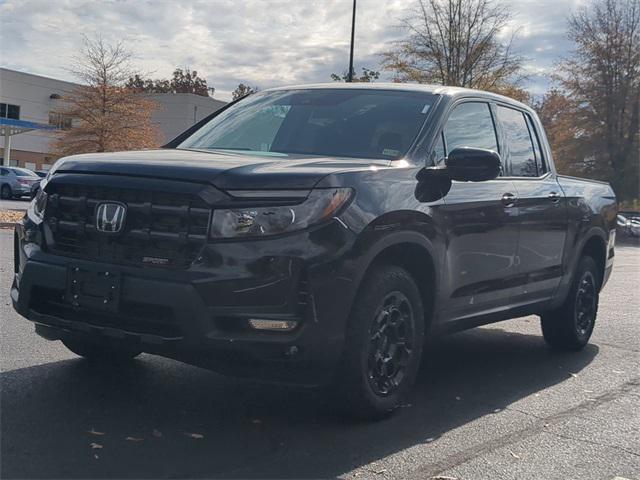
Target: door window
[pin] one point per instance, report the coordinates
(471, 125)
(518, 143)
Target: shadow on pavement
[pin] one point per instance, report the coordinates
(249, 430)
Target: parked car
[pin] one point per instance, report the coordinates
(16, 182)
(629, 224)
(318, 235)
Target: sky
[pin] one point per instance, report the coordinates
(262, 43)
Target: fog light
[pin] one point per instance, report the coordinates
(275, 325)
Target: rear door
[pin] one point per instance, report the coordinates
(542, 213)
(481, 224)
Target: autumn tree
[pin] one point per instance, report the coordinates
(459, 43)
(107, 116)
(367, 76)
(182, 81)
(243, 90)
(563, 119)
(603, 78)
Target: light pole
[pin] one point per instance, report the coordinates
(353, 31)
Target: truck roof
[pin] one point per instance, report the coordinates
(409, 87)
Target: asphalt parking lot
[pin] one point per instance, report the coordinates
(491, 403)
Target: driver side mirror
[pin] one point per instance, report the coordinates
(466, 164)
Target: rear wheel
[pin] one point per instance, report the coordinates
(384, 343)
(570, 326)
(101, 352)
(5, 192)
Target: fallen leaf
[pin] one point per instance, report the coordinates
(514, 455)
(94, 432)
(574, 375)
(195, 435)
(95, 445)
(443, 477)
(134, 439)
(157, 433)
(379, 472)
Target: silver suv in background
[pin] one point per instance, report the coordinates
(16, 182)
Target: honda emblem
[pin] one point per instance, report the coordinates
(110, 217)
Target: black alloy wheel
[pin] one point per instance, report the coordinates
(391, 344)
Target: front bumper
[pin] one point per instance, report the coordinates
(199, 315)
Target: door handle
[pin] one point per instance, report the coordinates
(554, 197)
(509, 199)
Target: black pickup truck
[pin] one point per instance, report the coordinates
(318, 235)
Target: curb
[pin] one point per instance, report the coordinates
(7, 224)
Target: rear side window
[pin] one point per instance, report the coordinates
(471, 125)
(518, 145)
(540, 163)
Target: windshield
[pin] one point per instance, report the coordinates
(361, 123)
(23, 172)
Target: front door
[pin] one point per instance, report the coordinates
(481, 225)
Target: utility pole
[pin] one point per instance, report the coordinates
(353, 31)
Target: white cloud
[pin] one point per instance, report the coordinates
(263, 43)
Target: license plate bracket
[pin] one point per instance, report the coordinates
(93, 289)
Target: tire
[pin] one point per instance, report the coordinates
(101, 352)
(6, 193)
(570, 326)
(387, 312)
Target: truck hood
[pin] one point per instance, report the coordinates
(224, 169)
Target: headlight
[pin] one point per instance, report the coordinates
(321, 205)
(39, 203)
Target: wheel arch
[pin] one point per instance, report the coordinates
(415, 253)
(595, 246)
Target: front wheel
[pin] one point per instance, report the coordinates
(100, 352)
(384, 344)
(570, 326)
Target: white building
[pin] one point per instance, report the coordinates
(34, 98)
(179, 111)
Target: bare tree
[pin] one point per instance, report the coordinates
(603, 77)
(106, 115)
(457, 42)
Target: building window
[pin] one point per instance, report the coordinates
(8, 110)
(60, 120)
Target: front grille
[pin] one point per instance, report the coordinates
(161, 229)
